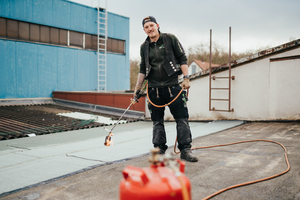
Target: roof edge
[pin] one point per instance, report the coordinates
(278, 49)
(267, 52)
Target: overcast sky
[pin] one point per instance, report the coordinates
(254, 23)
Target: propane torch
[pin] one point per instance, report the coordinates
(107, 141)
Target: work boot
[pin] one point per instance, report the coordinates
(186, 154)
(162, 151)
(162, 148)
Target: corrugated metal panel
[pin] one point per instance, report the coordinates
(66, 70)
(20, 10)
(62, 14)
(117, 74)
(118, 26)
(47, 70)
(7, 69)
(4, 8)
(82, 71)
(27, 70)
(91, 22)
(79, 17)
(42, 12)
(57, 13)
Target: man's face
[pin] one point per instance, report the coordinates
(151, 29)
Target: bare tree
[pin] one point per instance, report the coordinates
(134, 71)
(219, 54)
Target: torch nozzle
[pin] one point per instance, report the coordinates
(107, 141)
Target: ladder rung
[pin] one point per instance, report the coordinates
(232, 77)
(219, 77)
(220, 99)
(213, 109)
(226, 66)
(220, 88)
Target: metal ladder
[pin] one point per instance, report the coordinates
(214, 78)
(101, 46)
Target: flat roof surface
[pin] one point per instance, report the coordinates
(76, 165)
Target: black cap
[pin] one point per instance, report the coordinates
(149, 19)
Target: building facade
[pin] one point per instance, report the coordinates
(51, 45)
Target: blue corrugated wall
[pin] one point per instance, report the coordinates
(29, 70)
(56, 13)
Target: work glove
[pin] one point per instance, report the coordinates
(186, 83)
(136, 95)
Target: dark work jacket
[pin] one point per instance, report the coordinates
(161, 60)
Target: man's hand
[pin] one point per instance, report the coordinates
(138, 87)
(186, 83)
(136, 95)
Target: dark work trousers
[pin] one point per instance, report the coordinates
(162, 96)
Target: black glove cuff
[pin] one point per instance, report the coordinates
(138, 94)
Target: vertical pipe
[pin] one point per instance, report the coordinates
(210, 70)
(229, 108)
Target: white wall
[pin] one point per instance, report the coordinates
(262, 90)
(198, 69)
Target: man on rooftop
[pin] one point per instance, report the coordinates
(162, 60)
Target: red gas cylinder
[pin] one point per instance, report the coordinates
(163, 180)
